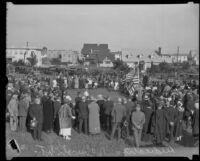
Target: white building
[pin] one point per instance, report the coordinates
(148, 56)
(69, 56)
(16, 54)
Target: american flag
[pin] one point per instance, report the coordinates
(130, 88)
(132, 76)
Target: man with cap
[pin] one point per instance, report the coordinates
(83, 115)
(138, 120)
(13, 111)
(118, 112)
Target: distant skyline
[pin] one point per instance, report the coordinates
(119, 26)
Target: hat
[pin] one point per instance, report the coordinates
(146, 97)
(100, 97)
(86, 93)
(119, 100)
(69, 98)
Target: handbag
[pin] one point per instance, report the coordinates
(33, 124)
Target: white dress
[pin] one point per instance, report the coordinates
(65, 131)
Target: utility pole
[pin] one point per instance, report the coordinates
(177, 63)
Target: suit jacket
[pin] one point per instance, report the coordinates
(118, 113)
(22, 108)
(108, 106)
(83, 110)
(36, 111)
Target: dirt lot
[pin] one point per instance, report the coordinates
(82, 145)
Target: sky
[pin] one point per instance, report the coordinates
(120, 26)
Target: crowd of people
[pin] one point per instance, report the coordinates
(158, 112)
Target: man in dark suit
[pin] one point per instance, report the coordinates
(108, 106)
(36, 112)
(83, 113)
(100, 102)
(77, 101)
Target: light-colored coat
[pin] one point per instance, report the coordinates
(65, 115)
(94, 122)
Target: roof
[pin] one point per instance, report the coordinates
(99, 57)
(24, 49)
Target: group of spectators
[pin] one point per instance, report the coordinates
(159, 112)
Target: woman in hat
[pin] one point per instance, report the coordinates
(94, 123)
(65, 115)
(13, 111)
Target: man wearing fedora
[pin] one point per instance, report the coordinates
(83, 115)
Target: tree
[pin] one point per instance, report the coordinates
(33, 59)
(120, 65)
(164, 67)
(19, 63)
(185, 65)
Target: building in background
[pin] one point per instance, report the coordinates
(146, 56)
(16, 54)
(65, 56)
(69, 56)
(117, 54)
(89, 49)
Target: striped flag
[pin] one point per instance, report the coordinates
(130, 88)
(133, 76)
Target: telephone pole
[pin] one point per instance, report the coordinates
(177, 63)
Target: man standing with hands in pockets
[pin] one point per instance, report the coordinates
(138, 120)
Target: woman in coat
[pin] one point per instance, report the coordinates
(65, 115)
(13, 111)
(94, 122)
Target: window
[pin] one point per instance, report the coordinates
(107, 62)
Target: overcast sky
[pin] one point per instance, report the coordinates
(121, 26)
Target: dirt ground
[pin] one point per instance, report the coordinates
(83, 145)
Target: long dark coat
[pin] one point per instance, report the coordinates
(48, 112)
(148, 112)
(179, 123)
(158, 124)
(56, 106)
(195, 122)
